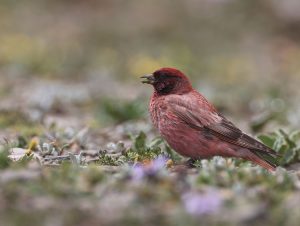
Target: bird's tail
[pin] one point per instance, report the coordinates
(264, 160)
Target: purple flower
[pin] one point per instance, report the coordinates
(198, 204)
(140, 171)
(158, 163)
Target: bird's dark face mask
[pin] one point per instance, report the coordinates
(165, 83)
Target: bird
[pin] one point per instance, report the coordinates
(194, 128)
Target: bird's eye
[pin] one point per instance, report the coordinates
(159, 75)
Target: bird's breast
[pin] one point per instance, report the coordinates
(159, 112)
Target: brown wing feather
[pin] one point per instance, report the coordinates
(227, 131)
(223, 128)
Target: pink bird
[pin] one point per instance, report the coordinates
(193, 127)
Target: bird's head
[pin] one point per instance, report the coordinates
(168, 81)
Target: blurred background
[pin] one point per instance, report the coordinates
(77, 63)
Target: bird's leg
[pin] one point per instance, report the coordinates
(191, 162)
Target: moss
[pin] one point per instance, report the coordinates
(13, 118)
(4, 159)
(117, 111)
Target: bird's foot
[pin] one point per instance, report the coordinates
(191, 163)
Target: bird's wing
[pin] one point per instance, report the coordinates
(227, 131)
(199, 118)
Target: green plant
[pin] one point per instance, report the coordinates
(4, 159)
(119, 111)
(285, 144)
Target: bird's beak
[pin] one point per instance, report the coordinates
(149, 79)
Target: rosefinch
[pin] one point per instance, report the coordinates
(193, 127)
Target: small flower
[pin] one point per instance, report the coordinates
(198, 204)
(169, 163)
(32, 145)
(148, 169)
(137, 173)
(158, 163)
